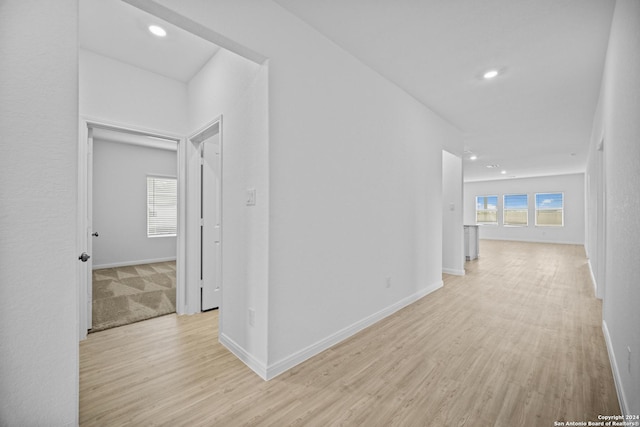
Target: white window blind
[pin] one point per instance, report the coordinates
(162, 206)
(487, 210)
(515, 210)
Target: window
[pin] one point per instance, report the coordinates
(162, 206)
(550, 209)
(516, 210)
(487, 210)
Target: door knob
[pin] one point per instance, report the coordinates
(95, 234)
(84, 257)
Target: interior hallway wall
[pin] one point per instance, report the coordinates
(236, 88)
(452, 215)
(618, 116)
(355, 182)
(38, 176)
(120, 93)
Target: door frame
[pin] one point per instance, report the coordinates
(86, 124)
(193, 249)
(601, 219)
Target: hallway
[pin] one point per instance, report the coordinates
(517, 341)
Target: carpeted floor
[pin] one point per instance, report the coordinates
(124, 295)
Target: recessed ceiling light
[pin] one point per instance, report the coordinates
(473, 157)
(157, 31)
(490, 74)
(503, 172)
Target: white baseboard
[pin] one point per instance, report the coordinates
(254, 364)
(553, 242)
(314, 349)
(617, 379)
(128, 263)
(453, 271)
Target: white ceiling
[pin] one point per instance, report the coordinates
(120, 31)
(528, 120)
(533, 120)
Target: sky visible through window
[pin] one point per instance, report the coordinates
(515, 201)
(486, 202)
(549, 201)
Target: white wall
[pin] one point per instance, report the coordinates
(236, 88)
(120, 204)
(120, 93)
(574, 219)
(38, 175)
(618, 116)
(355, 169)
(452, 215)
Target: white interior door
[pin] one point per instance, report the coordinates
(211, 272)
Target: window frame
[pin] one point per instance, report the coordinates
(496, 223)
(152, 229)
(505, 209)
(539, 209)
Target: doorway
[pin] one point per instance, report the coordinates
(131, 225)
(207, 143)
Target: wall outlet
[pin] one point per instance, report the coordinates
(252, 317)
(388, 282)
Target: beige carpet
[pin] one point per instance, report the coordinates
(124, 295)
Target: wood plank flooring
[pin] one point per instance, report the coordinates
(515, 342)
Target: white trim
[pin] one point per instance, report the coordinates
(130, 128)
(128, 263)
(593, 279)
(534, 241)
(82, 235)
(192, 205)
(254, 364)
(298, 357)
(453, 271)
(181, 238)
(109, 134)
(617, 379)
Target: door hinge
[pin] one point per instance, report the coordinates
(201, 283)
(201, 222)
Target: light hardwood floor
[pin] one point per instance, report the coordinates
(515, 342)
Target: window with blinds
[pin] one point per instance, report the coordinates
(487, 210)
(550, 209)
(515, 210)
(162, 206)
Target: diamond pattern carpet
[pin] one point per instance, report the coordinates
(124, 295)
